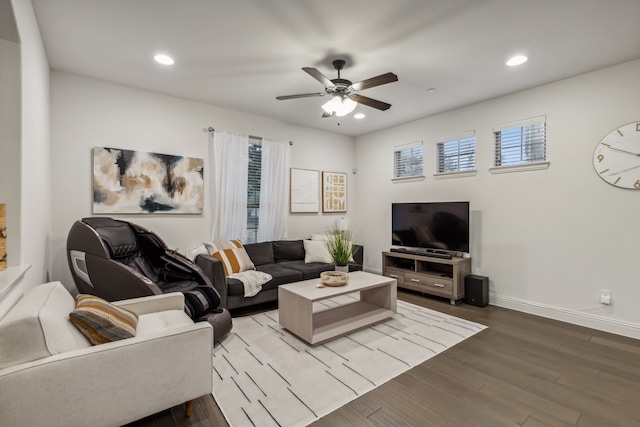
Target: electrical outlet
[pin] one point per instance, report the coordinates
(605, 296)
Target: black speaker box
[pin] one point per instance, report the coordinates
(476, 290)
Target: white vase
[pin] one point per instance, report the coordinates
(343, 268)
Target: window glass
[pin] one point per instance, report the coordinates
(522, 144)
(407, 160)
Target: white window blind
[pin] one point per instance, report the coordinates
(407, 160)
(457, 153)
(520, 142)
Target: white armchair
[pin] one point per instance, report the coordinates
(50, 375)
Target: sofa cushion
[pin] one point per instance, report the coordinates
(38, 326)
(235, 260)
(288, 250)
(100, 321)
(310, 270)
(280, 275)
(160, 321)
(253, 281)
(260, 253)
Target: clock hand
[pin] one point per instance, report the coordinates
(625, 151)
(618, 173)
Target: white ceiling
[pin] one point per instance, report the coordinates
(241, 54)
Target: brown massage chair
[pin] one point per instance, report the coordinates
(118, 260)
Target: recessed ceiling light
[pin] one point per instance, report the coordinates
(359, 116)
(163, 59)
(517, 60)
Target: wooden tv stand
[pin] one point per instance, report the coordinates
(434, 276)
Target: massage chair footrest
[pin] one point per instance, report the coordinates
(220, 321)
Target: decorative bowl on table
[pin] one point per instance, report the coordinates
(334, 278)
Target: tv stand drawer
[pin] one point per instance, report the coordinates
(440, 284)
(395, 274)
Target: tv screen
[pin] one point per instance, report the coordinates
(431, 225)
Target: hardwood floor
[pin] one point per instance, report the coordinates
(523, 370)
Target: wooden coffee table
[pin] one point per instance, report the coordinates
(295, 306)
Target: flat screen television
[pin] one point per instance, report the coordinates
(438, 226)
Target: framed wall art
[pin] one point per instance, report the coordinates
(334, 192)
(137, 182)
(304, 195)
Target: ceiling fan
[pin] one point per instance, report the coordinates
(344, 94)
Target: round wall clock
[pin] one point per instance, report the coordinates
(617, 157)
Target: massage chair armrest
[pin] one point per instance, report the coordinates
(214, 271)
(121, 281)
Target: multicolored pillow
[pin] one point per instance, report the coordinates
(102, 322)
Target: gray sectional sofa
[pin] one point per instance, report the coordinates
(282, 259)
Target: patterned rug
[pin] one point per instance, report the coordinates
(264, 376)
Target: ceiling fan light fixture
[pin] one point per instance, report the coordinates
(339, 106)
(328, 106)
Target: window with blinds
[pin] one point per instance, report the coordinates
(407, 160)
(253, 189)
(457, 153)
(521, 142)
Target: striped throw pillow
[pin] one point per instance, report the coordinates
(101, 322)
(234, 260)
(219, 246)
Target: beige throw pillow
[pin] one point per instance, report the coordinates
(316, 251)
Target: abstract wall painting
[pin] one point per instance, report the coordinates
(137, 182)
(334, 192)
(304, 195)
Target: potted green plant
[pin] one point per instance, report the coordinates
(341, 248)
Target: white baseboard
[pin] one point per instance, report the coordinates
(588, 320)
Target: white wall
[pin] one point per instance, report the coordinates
(88, 113)
(10, 193)
(548, 240)
(27, 176)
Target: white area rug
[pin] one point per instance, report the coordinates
(264, 376)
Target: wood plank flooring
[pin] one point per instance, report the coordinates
(523, 370)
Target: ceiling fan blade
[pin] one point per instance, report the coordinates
(313, 72)
(370, 102)
(302, 95)
(382, 79)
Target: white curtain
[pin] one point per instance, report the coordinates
(229, 155)
(273, 191)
